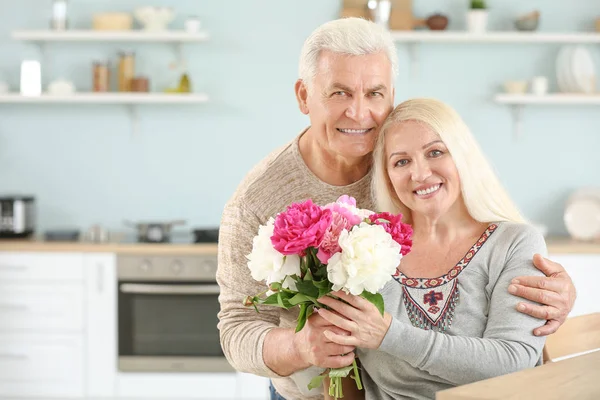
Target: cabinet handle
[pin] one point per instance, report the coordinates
(14, 307)
(21, 268)
(100, 278)
(14, 356)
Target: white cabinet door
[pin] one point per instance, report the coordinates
(584, 269)
(41, 307)
(252, 387)
(41, 267)
(101, 324)
(41, 365)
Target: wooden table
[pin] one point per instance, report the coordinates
(574, 378)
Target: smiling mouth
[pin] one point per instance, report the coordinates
(429, 190)
(355, 131)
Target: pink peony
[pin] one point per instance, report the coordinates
(329, 246)
(400, 232)
(346, 207)
(301, 226)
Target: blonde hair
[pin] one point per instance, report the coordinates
(484, 196)
(350, 36)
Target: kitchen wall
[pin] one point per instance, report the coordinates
(84, 166)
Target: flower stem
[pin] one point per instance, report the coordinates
(356, 375)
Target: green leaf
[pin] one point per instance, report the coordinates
(308, 276)
(340, 372)
(316, 381)
(274, 286)
(300, 298)
(301, 318)
(376, 299)
(279, 299)
(309, 310)
(307, 288)
(324, 287)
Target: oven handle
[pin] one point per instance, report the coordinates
(143, 288)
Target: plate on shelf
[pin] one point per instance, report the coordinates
(563, 77)
(582, 70)
(582, 217)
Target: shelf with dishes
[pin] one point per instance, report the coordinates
(106, 98)
(167, 36)
(414, 38)
(442, 36)
(576, 79)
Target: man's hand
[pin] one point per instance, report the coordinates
(555, 291)
(315, 349)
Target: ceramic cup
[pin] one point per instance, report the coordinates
(539, 85)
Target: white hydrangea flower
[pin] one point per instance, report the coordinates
(368, 259)
(267, 264)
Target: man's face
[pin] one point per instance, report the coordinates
(348, 101)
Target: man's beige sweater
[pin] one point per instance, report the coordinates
(277, 181)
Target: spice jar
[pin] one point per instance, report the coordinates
(126, 70)
(101, 73)
(140, 84)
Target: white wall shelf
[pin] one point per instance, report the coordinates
(131, 100)
(413, 38)
(493, 37)
(109, 36)
(518, 101)
(107, 98)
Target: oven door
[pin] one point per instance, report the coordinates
(169, 326)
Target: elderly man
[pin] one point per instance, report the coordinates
(346, 87)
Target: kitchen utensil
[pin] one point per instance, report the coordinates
(582, 217)
(112, 21)
(97, 234)
(515, 87)
(380, 11)
(61, 235)
(539, 85)
(17, 216)
(528, 22)
(206, 235)
(101, 77)
(59, 15)
(126, 70)
(61, 87)
(154, 18)
(31, 78)
(192, 24)
(154, 232)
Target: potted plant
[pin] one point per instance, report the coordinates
(477, 16)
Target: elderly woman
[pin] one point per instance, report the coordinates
(449, 318)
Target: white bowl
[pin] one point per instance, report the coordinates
(154, 18)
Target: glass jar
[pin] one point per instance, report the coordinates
(101, 73)
(126, 70)
(59, 15)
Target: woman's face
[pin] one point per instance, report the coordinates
(421, 169)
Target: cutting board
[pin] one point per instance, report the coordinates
(401, 17)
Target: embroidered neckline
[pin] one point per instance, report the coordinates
(430, 302)
(424, 283)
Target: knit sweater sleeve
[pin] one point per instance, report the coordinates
(507, 345)
(242, 329)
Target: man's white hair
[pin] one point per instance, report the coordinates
(483, 194)
(349, 36)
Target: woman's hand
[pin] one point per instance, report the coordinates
(360, 317)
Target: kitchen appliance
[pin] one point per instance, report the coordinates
(154, 232)
(167, 314)
(17, 216)
(206, 235)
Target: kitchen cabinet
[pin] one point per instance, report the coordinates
(101, 324)
(41, 325)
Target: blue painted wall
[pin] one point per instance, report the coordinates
(84, 166)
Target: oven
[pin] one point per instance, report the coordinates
(167, 314)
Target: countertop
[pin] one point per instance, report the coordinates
(556, 245)
(180, 249)
(573, 378)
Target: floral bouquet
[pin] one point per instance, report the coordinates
(308, 251)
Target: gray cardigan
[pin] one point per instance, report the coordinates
(464, 325)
